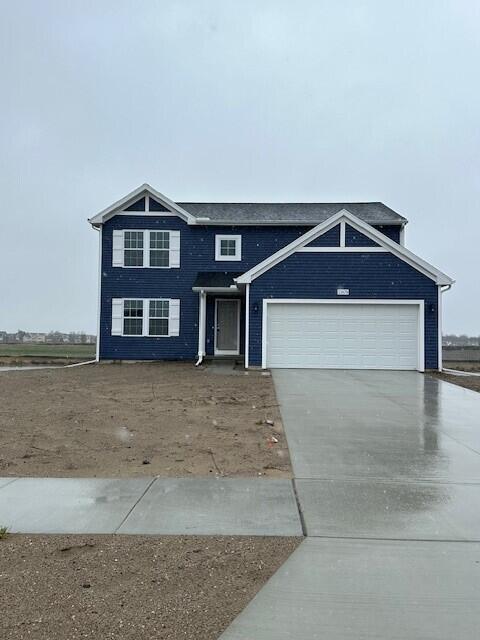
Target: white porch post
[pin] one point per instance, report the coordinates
(202, 322)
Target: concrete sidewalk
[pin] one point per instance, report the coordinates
(160, 506)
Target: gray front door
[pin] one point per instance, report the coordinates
(227, 326)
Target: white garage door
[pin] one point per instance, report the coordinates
(342, 336)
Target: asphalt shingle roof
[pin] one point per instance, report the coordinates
(301, 213)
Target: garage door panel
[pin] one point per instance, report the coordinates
(352, 336)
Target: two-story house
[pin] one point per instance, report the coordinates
(307, 285)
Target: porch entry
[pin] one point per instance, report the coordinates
(227, 326)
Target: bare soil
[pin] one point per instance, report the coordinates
(463, 366)
(166, 419)
(129, 587)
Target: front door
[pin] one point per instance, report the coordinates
(227, 326)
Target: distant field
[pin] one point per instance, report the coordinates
(48, 350)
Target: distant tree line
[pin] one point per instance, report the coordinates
(452, 340)
(52, 337)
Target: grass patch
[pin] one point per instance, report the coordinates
(48, 350)
(3, 532)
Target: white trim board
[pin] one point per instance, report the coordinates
(419, 303)
(238, 247)
(345, 216)
(99, 293)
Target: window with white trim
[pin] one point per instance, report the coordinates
(146, 248)
(133, 248)
(147, 317)
(132, 317)
(159, 249)
(158, 316)
(228, 247)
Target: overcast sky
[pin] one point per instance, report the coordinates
(219, 100)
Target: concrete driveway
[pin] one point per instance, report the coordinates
(387, 473)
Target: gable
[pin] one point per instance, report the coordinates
(147, 203)
(330, 238)
(355, 238)
(144, 199)
(345, 218)
(139, 205)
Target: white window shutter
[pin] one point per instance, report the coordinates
(117, 248)
(174, 248)
(174, 317)
(117, 316)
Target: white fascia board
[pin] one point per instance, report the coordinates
(277, 223)
(365, 228)
(144, 189)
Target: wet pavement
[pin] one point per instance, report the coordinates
(161, 506)
(387, 473)
(332, 589)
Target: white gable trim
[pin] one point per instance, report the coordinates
(345, 216)
(142, 190)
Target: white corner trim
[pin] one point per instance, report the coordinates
(420, 326)
(99, 293)
(401, 252)
(247, 324)
(238, 247)
(439, 328)
(143, 190)
(402, 235)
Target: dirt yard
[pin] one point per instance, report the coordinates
(166, 419)
(129, 587)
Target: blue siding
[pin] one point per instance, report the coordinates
(392, 231)
(367, 275)
(354, 238)
(197, 253)
(329, 239)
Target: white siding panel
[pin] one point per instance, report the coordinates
(342, 336)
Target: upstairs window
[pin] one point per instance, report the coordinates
(146, 248)
(159, 249)
(133, 249)
(228, 247)
(132, 317)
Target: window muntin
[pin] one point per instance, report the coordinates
(132, 317)
(133, 249)
(158, 315)
(159, 248)
(228, 247)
